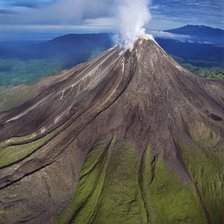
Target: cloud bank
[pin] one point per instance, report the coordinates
(127, 17)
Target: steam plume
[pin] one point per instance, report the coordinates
(131, 17)
(128, 16)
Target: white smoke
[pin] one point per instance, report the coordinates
(131, 18)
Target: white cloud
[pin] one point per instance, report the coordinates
(128, 17)
(167, 35)
(101, 22)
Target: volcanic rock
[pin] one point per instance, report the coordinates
(128, 137)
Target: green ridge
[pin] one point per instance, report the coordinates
(29, 137)
(169, 200)
(92, 177)
(17, 140)
(120, 201)
(123, 188)
(205, 163)
(11, 154)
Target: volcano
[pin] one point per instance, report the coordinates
(129, 137)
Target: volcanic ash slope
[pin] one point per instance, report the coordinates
(129, 137)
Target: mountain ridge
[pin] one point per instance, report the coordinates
(112, 140)
(201, 33)
(19, 59)
(190, 27)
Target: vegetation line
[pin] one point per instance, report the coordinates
(178, 152)
(98, 183)
(140, 180)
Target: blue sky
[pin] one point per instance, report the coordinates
(179, 12)
(55, 17)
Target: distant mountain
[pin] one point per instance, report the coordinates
(76, 46)
(202, 55)
(201, 33)
(76, 42)
(25, 62)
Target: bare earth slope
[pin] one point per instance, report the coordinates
(129, 137)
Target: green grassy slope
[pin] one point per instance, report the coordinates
(120, 187)
(14, 149)
(205, 163)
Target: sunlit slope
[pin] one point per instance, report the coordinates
(128, 137)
